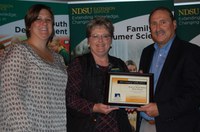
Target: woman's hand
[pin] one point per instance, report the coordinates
(102, 108)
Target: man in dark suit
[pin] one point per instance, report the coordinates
(176, 67)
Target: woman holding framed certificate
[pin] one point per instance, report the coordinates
(87, 111)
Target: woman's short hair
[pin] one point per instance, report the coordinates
(100, 21)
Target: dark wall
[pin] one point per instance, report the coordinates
(175, 1)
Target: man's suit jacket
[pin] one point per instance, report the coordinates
(177, 92)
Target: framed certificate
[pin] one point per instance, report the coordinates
(129, 89)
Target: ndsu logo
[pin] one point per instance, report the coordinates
(187, 12)
(81, 11)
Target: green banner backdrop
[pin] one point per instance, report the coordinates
(188, 21)
(130, 19)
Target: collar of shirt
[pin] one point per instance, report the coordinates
(166, 47)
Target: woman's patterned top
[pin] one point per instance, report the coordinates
(32, 91)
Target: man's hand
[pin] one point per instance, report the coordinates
(150, 109)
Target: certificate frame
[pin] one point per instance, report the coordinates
(129, 89)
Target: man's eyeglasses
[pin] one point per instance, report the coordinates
(104, 37)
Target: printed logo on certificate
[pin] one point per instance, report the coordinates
(129, 89)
